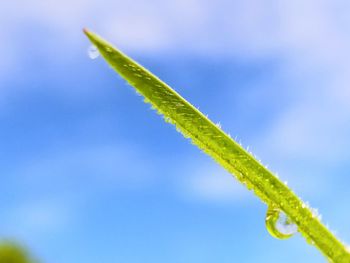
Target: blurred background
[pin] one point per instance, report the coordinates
(89, 173)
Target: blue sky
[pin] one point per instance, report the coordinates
(89, 173)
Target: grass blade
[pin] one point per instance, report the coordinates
(228, 153)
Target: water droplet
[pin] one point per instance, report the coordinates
(93, 52)
(278, 224)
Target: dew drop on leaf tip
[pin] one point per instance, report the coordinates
(278, 224)
(93, 52)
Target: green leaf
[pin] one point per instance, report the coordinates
(223, 149)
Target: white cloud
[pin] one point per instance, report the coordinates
(38, 218)
(100, 167)
(211, 183)
(44, 214)
(314, 127)
(54, 186)
(312, 36)
(250, 28)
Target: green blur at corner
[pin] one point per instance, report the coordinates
(14, 253)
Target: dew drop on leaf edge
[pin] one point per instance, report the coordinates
(93, 52)
(278, 224)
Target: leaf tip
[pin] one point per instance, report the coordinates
(86, 31)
